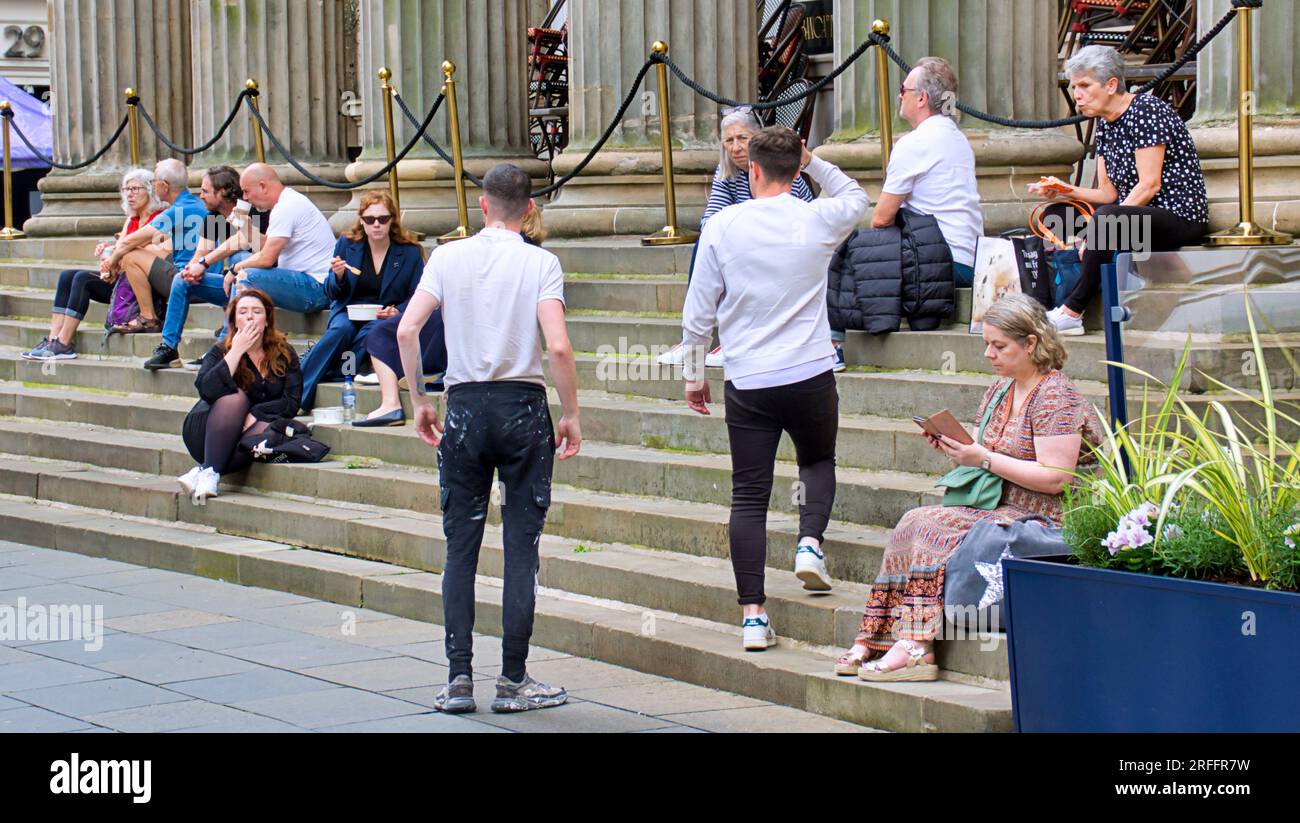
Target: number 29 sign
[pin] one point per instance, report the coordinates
(22, 42)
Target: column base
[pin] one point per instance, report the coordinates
(89, 203)
(428, 192)
(1006, 161)
(622, 192)
(1276, 175)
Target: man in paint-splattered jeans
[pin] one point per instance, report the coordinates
(495, 290)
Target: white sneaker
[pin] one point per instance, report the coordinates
(810, 568)
(1066, 324)
(367, 380)
(676, 356)
(756, 633)
(715, 359)
(205, 486)
(187, 480)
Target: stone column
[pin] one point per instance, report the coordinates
(296, 51)
(1277, 109)
(99, 48)
(487, 40)
(1002, 52)
(621, 191)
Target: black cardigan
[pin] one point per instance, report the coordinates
(272, 397)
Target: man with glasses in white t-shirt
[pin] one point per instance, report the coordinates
(495, 290)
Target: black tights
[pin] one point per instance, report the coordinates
(1155, 228)
(225, 427)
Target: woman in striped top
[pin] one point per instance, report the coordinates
(731, 180)
(731, 186)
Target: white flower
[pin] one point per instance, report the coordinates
(1172, 531)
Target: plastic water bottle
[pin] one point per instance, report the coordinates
(349, 401)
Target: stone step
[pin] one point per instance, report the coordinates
(581, 293)
(694, 587)
(146, 432)
(861, 497)
(694, 651)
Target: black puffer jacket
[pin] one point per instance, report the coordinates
(879, 276)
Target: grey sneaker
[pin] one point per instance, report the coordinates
(55, 350)
(521, 697)
(457, 697)
(34, 352)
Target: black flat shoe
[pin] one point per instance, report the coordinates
(395, 417)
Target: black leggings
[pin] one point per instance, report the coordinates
(212, 436)
(75, 290)
(1154, 228)
(810, 412)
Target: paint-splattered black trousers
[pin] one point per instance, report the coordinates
(502, 426)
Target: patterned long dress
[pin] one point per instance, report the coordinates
(906, 600)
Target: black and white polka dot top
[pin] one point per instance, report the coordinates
(1150, 121)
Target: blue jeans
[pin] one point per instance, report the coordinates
(207, 290)
(963, 275)
(289, 290)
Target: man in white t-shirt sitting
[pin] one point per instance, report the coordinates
(295, 256)
(494, 290)
(932, 169)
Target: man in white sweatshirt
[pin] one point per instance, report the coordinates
(760, 276)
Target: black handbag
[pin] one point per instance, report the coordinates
(284, 441)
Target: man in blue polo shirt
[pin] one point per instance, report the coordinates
(141, 256)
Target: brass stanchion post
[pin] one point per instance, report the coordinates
(8, 232)
(258, 148)
(387, 91)
(458, 163)
(669, 235)
(884, 100)
(132, 114)
(1247, 232)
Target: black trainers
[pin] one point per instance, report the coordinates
(193, 365)
(163, 357)
(457, 697)
(521, 697)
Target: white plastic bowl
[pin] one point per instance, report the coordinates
(363, 311)
(329, 415)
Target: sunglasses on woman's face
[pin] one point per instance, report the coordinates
(372, 219)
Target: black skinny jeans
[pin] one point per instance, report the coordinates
(809, 411)
(503, 426)
(76, 288)
(1153, 228)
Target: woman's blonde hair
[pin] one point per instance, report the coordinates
(1019, 316)
(532, 226)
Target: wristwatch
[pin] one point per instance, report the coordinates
(987, 463)
(203, 261)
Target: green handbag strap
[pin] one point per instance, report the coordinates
(991, 407)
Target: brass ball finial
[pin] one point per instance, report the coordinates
(880, 26)
(129, 93)
(448, 69)
(250, 84)
(4, 105)
(659, 47)
(384, 74)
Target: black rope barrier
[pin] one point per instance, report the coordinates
(555, 186)
(162, 138)
(770, 104)
(320, 181)
(121, 127)
(1079, 118)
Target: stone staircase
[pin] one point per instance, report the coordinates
(634, 565)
